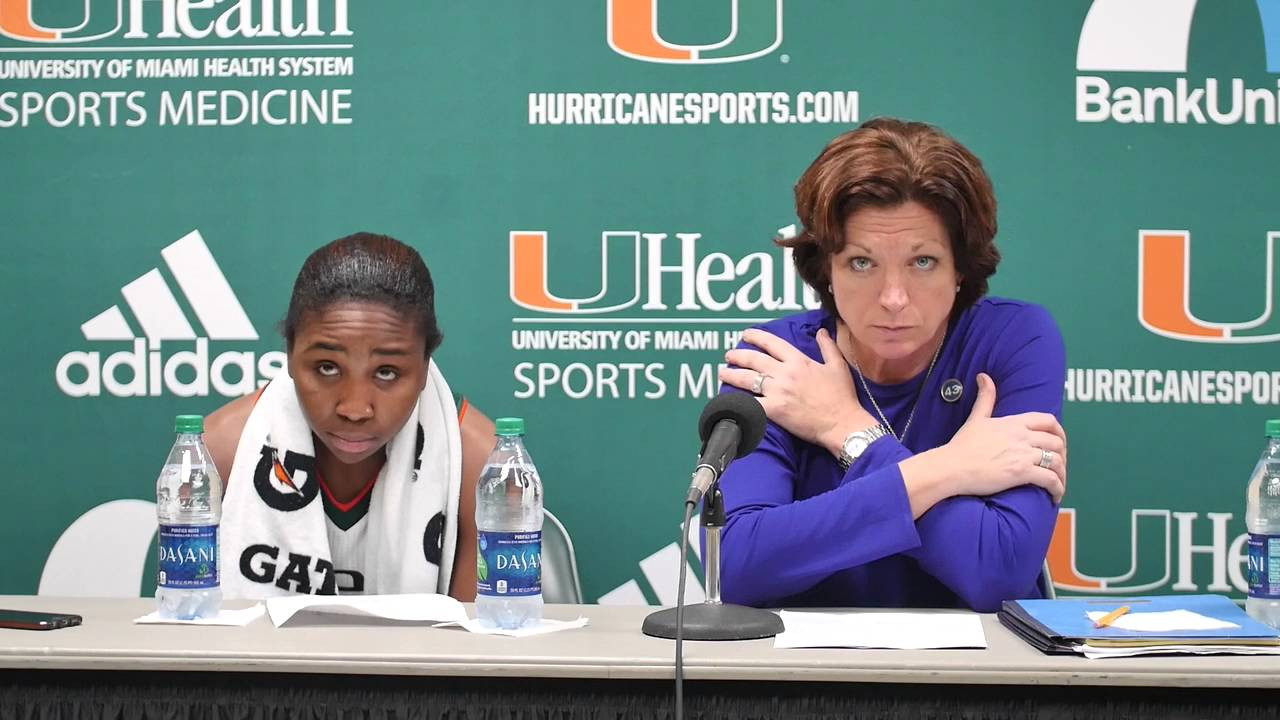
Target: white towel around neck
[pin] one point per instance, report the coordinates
(274, 540)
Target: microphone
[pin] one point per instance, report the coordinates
(731, 426)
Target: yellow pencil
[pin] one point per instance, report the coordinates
(1111, 617)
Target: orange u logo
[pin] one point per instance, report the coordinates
(755, 29)
(98, 21)
(1067, 576)
(1164, 293)
(529, 275)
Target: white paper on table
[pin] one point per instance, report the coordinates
(1164, 621)
(894, 630)
(1094, 653)
(234, 618)
(414, 607)
(543, 627)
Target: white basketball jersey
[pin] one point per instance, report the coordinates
(347, 529)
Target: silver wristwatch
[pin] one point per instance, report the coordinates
(855, 443)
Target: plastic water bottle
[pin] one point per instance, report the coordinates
(1262, 518)
(509, 529)
(189, 507)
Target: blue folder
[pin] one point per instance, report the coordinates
(1056, 626)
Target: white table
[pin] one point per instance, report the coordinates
(610, 658)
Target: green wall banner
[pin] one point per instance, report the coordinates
(596, 187)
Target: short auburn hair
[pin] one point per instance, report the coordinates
(884, 163)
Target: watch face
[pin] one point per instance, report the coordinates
(854, 446)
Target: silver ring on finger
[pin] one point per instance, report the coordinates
(1046, 459)
(757, 387)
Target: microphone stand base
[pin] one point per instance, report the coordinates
(714, 621)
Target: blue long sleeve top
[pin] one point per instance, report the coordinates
(800, 531)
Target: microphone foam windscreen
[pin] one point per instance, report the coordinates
(741, 408)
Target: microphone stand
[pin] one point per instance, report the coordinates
(713, 619)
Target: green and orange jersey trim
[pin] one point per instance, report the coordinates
(346, 514)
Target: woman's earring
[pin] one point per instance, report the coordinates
(829, 290)
(957, 288)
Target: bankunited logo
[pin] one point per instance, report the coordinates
(1153, 36)
(755, 30)
(1164, 293)
(156, 309)
(67, 21)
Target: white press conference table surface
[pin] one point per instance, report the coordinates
(610, 647)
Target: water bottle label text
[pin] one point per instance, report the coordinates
(188, 557)
(509, 564)
(1264, 566)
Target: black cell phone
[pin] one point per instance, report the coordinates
(27, 620)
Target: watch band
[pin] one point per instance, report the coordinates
(868, 436)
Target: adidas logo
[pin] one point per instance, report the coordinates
(142, 370)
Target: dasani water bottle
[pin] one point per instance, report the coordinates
(1262, 518)
(509, 533)
(189, 507)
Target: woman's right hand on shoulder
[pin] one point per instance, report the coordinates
(815, 401)
(992, 454)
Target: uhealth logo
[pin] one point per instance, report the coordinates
(646, 266)
(1164, 293)
(1153, 36)
(755, 29)
(1162, 550)
(34, 21)
(162, 319)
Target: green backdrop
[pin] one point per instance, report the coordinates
(472, 129)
